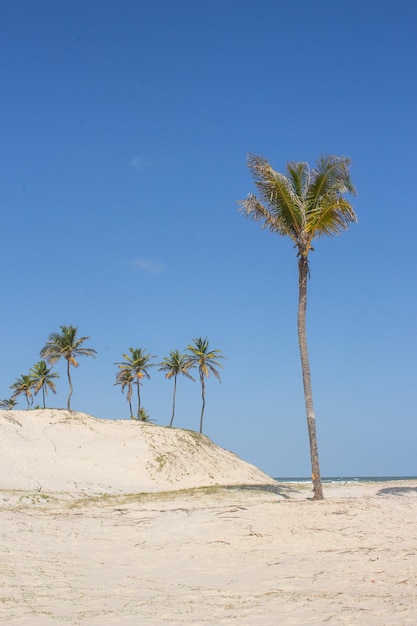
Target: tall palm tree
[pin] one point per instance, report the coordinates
(176, 363)
(303, 204)
(66, 345)
(125, 379)
(205, 361)
(137, 364)
(43, 378)
(24, 385)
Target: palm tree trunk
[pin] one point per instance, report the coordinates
(173, 400)
(70, 385)
(43, 396)
(138, 385)
(203, 397)
(305, 366)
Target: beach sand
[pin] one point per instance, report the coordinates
(195, 554)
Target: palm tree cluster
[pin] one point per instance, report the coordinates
(132, 371)
(135, 368)
(40, 378)
(65, 345)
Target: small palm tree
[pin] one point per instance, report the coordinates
(126, 380)
(303, 204)
(144, 415)
(8, 404)
(66, 345)
(43, 378)
(204, 359)
(24, 385)
(176, 363)
(137, 364)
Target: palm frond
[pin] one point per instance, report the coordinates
(254, 209)
(278, 192)
(205, 359)
(176, 363)
(299, 174)
(331, 175)
(85, 351)
(213, 369)
(137, 362)
(284, 214)
(333, 216)
(43, 377)
(65, 345)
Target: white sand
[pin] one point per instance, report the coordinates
(198, 556)
(58, 450)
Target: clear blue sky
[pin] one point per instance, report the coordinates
(124, 133)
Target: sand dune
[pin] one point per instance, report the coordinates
(58, 450)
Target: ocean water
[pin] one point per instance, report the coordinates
(345, 479)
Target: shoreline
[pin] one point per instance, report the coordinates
(347, 479)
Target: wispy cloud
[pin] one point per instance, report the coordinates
(140, 163)
(148, 266)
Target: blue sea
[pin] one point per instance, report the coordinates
(345, 479)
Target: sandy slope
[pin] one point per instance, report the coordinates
(58, 450)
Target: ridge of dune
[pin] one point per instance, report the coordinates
(57, 450)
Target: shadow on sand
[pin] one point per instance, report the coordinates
(397, 491)
(280, 490)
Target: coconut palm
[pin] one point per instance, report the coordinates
(303, 204)
(205, 361)
(8, 404)
(24, 385)
(126, 379)
(66, 345)
(176, 363)
(43, 378)
(137, 363)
